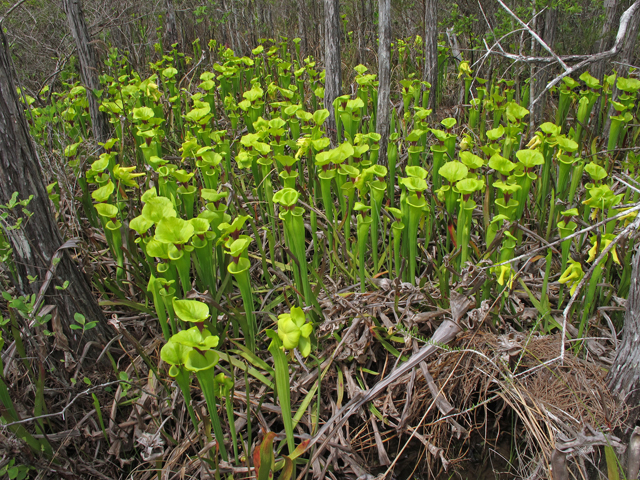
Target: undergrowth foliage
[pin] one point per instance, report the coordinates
(230, 209)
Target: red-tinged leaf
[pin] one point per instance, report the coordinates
(475, 248)
(122, 192)
(256, 459)
(287, 470)
(264, 465)
(452, 234)
(300, 449)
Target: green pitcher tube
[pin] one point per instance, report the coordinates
(508, 209)
(397, 228)
(464, 228)
(576, 178)
(438, 160)
(416, 204)
(377, 191)
(239, 268)
(414, 155)
(525, 180)
(167, 295)
(392, 157)
(158, 303)
(298, 229)
(187, 198)
(363, 225)
(615, 128)
(182, 263)
(116, 246)
(565, 228)
(565, 165)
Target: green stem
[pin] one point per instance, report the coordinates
(158, 303)
(183, 381)
(590, 298)
(283, 387)
(397, 228)
(116, 245)
(203, 250)
(183, 265)
(415, 205)
(364, 223)
(250, 326)
(206, 379)
(228, 401)
(464, 227)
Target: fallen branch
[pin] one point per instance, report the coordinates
(532, 252)
(565, 314)
(622, 30)
(446, 332)
(73, 400)
(534, 59)
(583, 60)
(535, 35)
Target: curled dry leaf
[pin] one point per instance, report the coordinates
(152, 446)
(477, 315)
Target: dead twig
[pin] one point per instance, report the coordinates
(15, 6)
(622, 31)
(534, 35)
(532, 252)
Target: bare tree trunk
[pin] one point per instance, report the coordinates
(430, 71)
(170, 26)
(272, 31)
(624, 376)
(254, 30)
(629, 47)
(226, 32)
(38, 239)
(532, 71)
(362, 33)
(333, 74)
(302, 31)
(542, 77)
(319, 30)
(88, 67)
(384, 78)
(235, 37)
(610, 7)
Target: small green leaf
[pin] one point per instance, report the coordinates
(595, 171)
(501, 164)
(530, 158)
(453, 171)
(174, 230)
(448, 123)
(106, 210)
(191, 310)
(103, 193)
(495, 133)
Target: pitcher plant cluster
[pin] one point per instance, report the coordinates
(212, 191)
